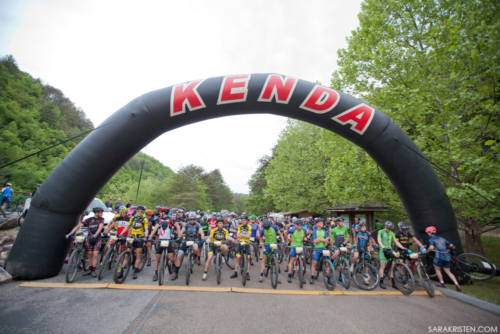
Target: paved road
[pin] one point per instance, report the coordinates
(41, 310)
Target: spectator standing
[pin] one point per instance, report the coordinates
(7, 193)
(109, 202)
(118, 204)
(129, 204)
(34, 191)
(354, 227)
(378, 226)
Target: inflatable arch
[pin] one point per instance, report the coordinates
(41, 247)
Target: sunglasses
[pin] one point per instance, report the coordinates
(140, 211)
(191, 219)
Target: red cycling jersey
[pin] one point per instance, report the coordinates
(213, 223)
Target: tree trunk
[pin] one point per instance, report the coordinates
(473, 243)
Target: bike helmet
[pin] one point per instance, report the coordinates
(149, 212)
(298, 221)
(253, 217)
(174, 209)
(165, 209)
(220, 219)
(158, 207)
(96, 210)
(183, 208)
(8, 184)
(266, 224)
(202, 212)
(389, 225)
(430, 229)
(294, 218)
(361, 224)
(244, 217)
(180, 210)
(123, 209)
(204, 219)
(404, 227)
(319, 219)
(38, 185)
(192, 215)
(141, 207)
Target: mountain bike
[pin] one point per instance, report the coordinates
(164, 261)
(111, 254)
(403, 277)
(231, 253)
(78, 260)
(325, 265)
(244, 262)
(255, 249)
(272, 265)
(309, 250)
(190, 260)
(417, 265)
(127, 260)
(218, 259)
(343, 263)
(299, 264)
(366, 272)
(374, 259)
(205, 249)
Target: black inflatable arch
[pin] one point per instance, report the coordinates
(40, 248)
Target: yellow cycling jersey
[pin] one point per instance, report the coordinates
(247, 230)
(137, 226)
(219, 235)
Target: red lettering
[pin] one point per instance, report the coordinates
(185, 95)
(234, 89)
(279, 88)
(321, 100)
(359, 117)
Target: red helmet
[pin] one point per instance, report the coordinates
(165, 209)
(430, 229)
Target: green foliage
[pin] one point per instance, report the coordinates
(34, 116)
(256, 203)
(433, 67)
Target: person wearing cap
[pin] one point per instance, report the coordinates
(6, 195)
(34, 191)
(129, 204)
(118, 205)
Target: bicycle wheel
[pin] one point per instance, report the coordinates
(105, 264)
(122, 267)
(301, 271)
(280, 254)
(256, 252)
(189, 267)
(230, 255)
(274, 272)
(218, 266)
(243, 269)
(317, 268)
(144, 258)
(327, 265)
(366, 276)
(72, 268)
(475, 266)
(374, 261)
(345, 273)
(161, 268)
(205, 251)
(405, 282)
(425, 281)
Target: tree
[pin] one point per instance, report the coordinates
(433, 67)
(256, 203)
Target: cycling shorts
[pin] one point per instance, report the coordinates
(159, 248)
(240, 249)
(94, 246)
(267, 250)
(441, 263)
(212, 249)
(361, 249)
(318, 253)
(138, 243)
(293, 252)
(5, 200)
(382, 256)
(184, 247)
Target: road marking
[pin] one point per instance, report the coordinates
(64, 285)
(210, 289)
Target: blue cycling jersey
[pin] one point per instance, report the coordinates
(363, 238)
(255, 228)
(7, 192)
(440, 245)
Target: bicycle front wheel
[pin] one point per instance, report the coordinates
(475, 266)
(274, 272)
(329, 278)
(425, 281)
(161, 268)
(122, 267)
(405, 282)
(345, 273)
(144, 258)
(301, 271)
(104, 264)
(189, 267)
(244, 268)
(366, 276)
(230, 255)
(72, 268)
(218, 266)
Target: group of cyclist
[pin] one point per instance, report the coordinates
(224, 228)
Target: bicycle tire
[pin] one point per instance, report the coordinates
(345, 272)
(359, 269)
(104, 264)
(425, 281)
(301, 272)
(72, 268)
(218, 266)
(144, 258)
(256, 252)
(465, 266)
(120, 264)
(403, 278)
(374, 261)
(328, 264)
(243, 268)
(274, 273)
(161, 268)
(228, 258)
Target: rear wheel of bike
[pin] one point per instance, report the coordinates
(374, 261)
(366, 277)
(475, 266)
(105, 264)
(122, 267)
(72, 268)
(144, 258)
(243, 268)
(218, 266)
(230, 255)
(256, 252)
(345, 273)
(161, 268)
(274, 272)
(328, 266)
(189, 267)
(301, 271)
(405, 282)
(425, 281)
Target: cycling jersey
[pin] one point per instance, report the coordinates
(270, 234)
(192, 230)
(363, 239)
(219, 235)
(245, 230)
(165, 229)
(404, 239)
(339, 235)
(255, 229)
(440, 250)
(137, 226)
(212, 223)
(120, 224)
(386, 237)
(227, 225)
(92, 224)
(7, 192)
(204, 227)
(319, 234)
(297, 237)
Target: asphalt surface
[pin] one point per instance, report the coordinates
(44, 310)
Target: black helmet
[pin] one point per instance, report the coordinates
(158, 207)
(97, 209)
(165, 209)
(389, 225)
(320, 219)
(220, 219)
(244, 217)
(38, 185)
(298, 222)
(202, 212)
(405, 227)
(362, 223)
(266, 224)
(183, 208)
(141, 207)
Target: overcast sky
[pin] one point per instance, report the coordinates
(102, 54)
